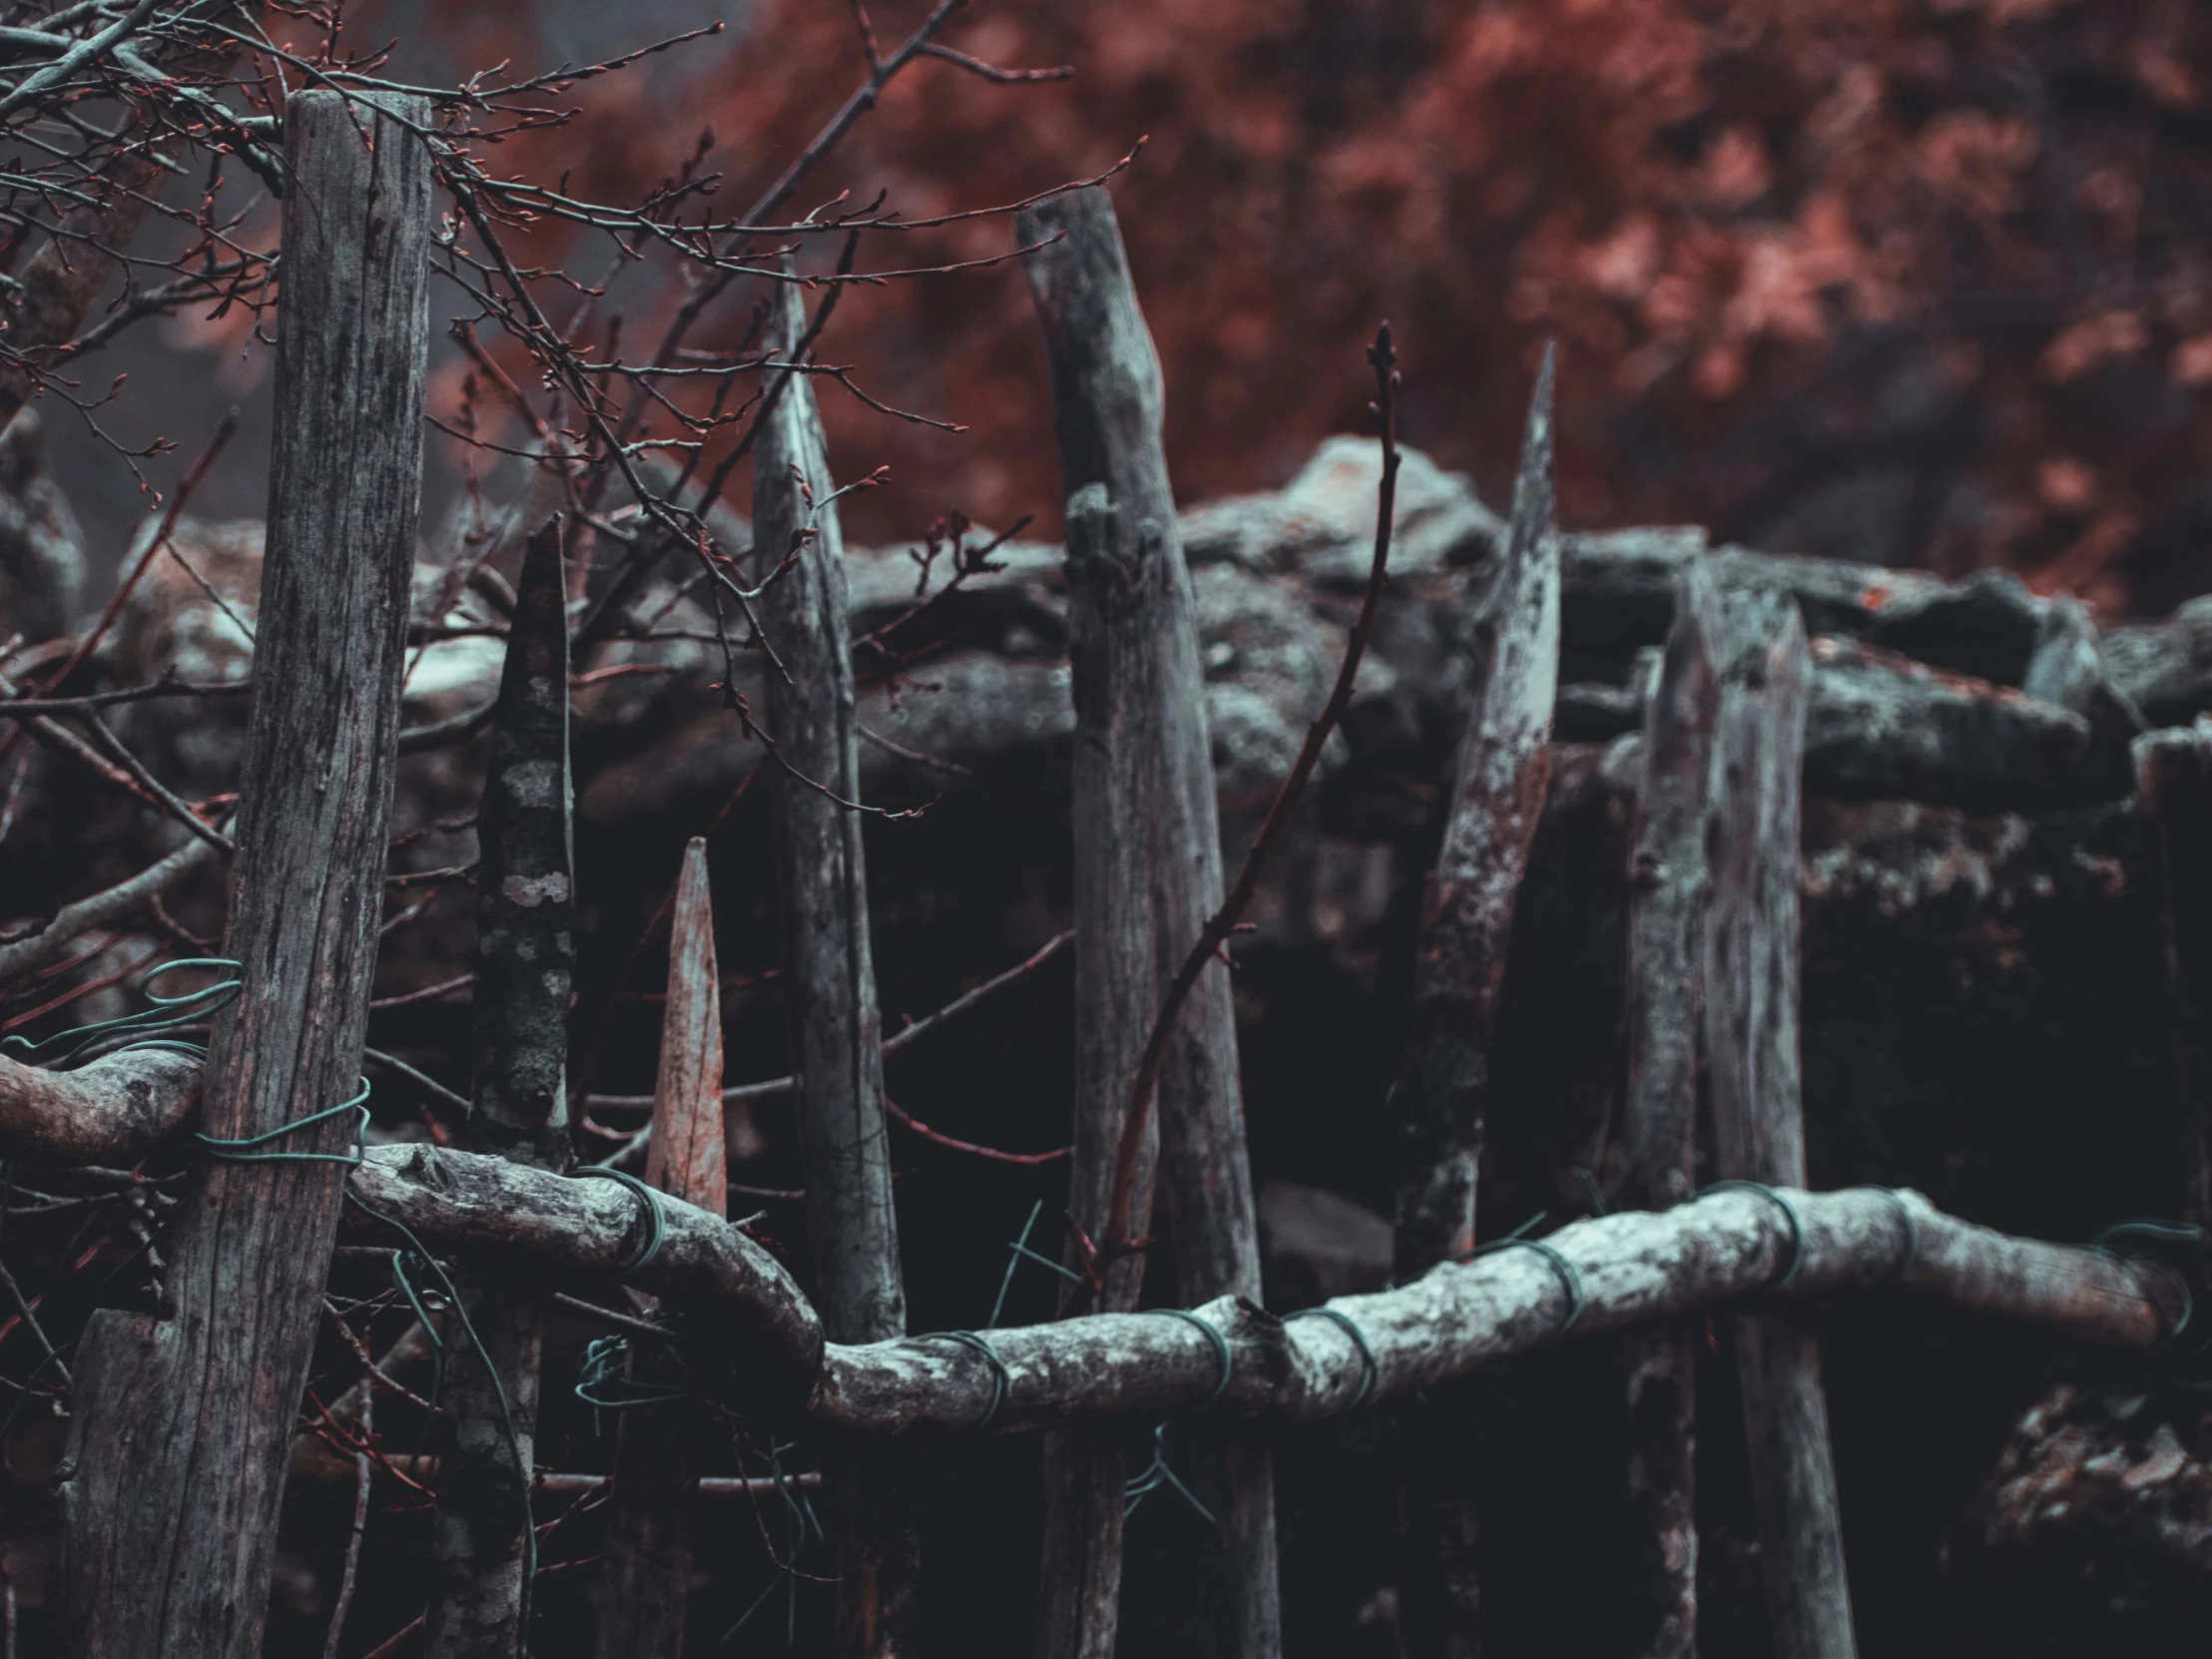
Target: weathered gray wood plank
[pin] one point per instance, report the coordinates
(1751, 1028)
(830, 973)
(182, 1423)
(1669, 883)
(836, 1030)
(1438, 1105)
(1497, 794)
(1147, 878)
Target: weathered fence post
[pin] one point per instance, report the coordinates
(1751, 1028)
(2173, 775)
(183, 1422)
(1499, 781)
(1148, 876)
(481, 1552)
(1438, 1105)
(829, 985)
(1668, 885)
(656, 1458)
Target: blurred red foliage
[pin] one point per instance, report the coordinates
(1923, 281)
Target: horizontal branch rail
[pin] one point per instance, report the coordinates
(1629, 1268)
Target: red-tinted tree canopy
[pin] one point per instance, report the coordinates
(1919, 283)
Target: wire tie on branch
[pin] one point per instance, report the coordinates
(1797, 1228)
(1343, 1321)
(1593, 1194)
(1221, 1347)
(1000, 1381)
(171, 1013)
(655, 1215)
(1570, 1276)
(403, 1281)
(239, 1151)
(1017, 1254)
(606, 1360)
(1156, 1475)
(167, 1014)
(420, 1253)
(2148, 1231)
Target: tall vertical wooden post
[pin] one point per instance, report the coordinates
(1441, 1098)
(2173, 776)
(1499, 781)
(1147, 878)
(1668, 887)
(830, 983)
(1751, 1026)
(525, 965)
(656, 1458)
(182, 1423)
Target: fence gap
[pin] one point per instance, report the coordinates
(1441, 1099)
(480, 1557)
(659, 1447)
(1751, 1028)
(829, 976)
(1668, 887)
(183, 1422)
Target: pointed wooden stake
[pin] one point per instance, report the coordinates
(1499, 781)
(1147, 878)
(686, 1156)
(1751, 1028)
(836, 1030)
(480, 1557)
(658, 1458)
(1442, 1097)
(1669, 883)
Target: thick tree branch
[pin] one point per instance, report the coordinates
(113, 1110)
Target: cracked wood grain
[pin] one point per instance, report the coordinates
(183, 1420)
(1669, 884)
(1500, 777)
(1751, 1025)
(1147, 878)
(830, 973)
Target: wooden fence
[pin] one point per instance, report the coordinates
(183, 1420)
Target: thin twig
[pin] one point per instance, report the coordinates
(1144, 1087)
(746, 1092)
(124, 589)
(363, 1470)
(428, 993)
